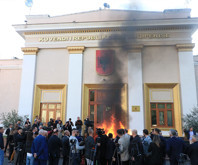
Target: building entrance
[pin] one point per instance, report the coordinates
(50, 110)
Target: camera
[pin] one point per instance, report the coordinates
(100, 131)
(72, 141)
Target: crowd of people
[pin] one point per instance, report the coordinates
(39, 144)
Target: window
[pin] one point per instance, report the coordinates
(162, 115)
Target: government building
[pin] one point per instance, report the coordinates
(121, 68)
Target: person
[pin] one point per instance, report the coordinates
(69, 125)
(110, 147)
(163, 141)
(79, 124)
(74, 149)
(189, 133)
(59, 128)
(54, 145)
(136, 149)
(39, 149)
(39, 123)
(146, 140)
(51, 123)
(123, 147)
(175, 146)
(57, 120)
(28, 122)
(65, 147)
(29, 140)
(8, 134)
(20, 147)
(89, 145)
(1, 146)
(35, 124)
(11, 144)
(192, 150)
(19, 123)
(156, 156)
(65, 127)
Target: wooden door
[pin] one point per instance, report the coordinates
(50, 110)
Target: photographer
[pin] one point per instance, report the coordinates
(20, 147)
(88, 124)
(123, 144)
(101, 146)
(89, 145)
(74, 149)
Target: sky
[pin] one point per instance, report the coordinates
(14, 11)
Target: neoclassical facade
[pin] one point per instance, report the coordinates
(131, 68)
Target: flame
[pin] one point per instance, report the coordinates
(111, 126)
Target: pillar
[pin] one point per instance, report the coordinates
(27, 81)
(135, 89)
(74, 95)
(187, 77)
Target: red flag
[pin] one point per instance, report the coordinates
(105, 61)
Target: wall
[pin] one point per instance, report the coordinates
(10, 80)
(52, 66)
(160, 64)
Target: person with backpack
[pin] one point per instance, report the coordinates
(136, 149)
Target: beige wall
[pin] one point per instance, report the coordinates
(196, 71)
(160, 64)
(90, 75)
(10, 80)
(52, 66)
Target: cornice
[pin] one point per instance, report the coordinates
(121, 29)
(136, 48)
(75, 49)
(30, 50)
(188, 47)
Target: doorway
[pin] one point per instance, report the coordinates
(50, 110)
(105, 109)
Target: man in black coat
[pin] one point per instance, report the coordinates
(192, 150)
(69, 125)
(136, 149)
(8, 134)
(54, 145)
(66, 147)
(175, 146)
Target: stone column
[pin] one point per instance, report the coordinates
(27, 81)
(187, 77)
(135, 88)
(74, 95)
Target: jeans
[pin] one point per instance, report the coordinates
(1, 156)
(29, 160)
(89, 162)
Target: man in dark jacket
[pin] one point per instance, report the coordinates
(89, 145)
(174, 147)
(54, 145)
(192, 151)
(8, 134)
(69, 125)
(1, 146)
(79, 124)
(20, 147)
(66, 147)
(110, 147)
(136, 149)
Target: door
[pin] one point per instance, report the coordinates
(105, 109)
(50, 110)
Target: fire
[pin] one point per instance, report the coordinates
(111, 126)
